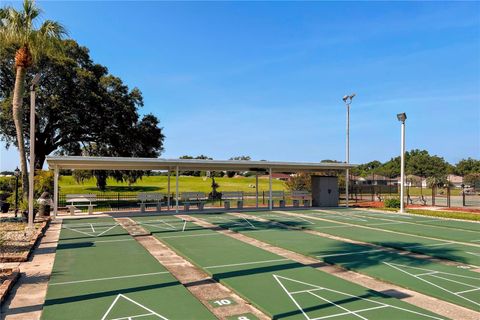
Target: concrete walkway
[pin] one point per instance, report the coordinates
(25, 301)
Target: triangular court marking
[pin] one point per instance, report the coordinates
(437, 274)
(316, 290)
(90, 233)
(150, 312)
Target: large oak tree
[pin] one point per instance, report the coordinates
(81, 109)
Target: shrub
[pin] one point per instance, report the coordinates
(392, 203)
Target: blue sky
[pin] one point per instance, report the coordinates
(266, 79)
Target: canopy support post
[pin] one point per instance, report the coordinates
(55, 192)
(270, 200)
(168, 190)
(176, 191)
(256, 189)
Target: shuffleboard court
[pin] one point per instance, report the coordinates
(108, 275)
(447, 230)
(417, 219)
(445, 282)
(466, 253)
(282, 288)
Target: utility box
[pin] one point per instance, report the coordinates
(325, 191)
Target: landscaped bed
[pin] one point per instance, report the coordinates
(8, 276)
(16, 242)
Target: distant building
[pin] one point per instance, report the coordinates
(455, 181)
(278, 176)
(373, 180)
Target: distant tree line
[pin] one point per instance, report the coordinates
(420, 163)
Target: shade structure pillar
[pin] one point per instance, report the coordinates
(270, 200)
(256, 189)
(55, 192)
(168, 189)
(176, 191)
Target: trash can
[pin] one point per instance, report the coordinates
(44, 204)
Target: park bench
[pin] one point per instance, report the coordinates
(197, 198)
(301, 195)
(280, 196)
(81, 200)
(228, 196)
(150, 198)
(419, 199)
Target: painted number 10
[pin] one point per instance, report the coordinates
(224, 302)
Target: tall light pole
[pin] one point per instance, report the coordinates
(348, 100)
(17, 174)
(35, 80)
(402, 117)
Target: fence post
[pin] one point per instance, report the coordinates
(433, 196)
(448, 196)
(263, 197)
(118, 201)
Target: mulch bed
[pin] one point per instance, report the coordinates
(8, 277)
(17, 244)
(462, 209)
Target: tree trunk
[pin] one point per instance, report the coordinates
(17, 109)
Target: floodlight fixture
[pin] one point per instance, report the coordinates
(402, 117)
(35, 80)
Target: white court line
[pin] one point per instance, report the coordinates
(168, 224)
(447, 279)
(245, 263)
(338, 306)
(113, 240)
(345, 313)
(332, 227)
(469, 290)
(474, 253)
(417, 223)
(431, 245)
(109, 278)
(349, 253)
(249, 223)
(156, 226)
(386, 223)
(91, 226)
(475, 240)
(342, 293)
(427, 273)
(134, 317)
(184, 225)
(431, 283)
(193, 235)
(392, 231)
(134, 302)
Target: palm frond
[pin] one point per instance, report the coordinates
(53, 29)
(17, 27)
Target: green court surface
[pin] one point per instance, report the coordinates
(416, 219)
(445, 282)
(101, 272)
(353, 227)
(282, 288)
(443, 229)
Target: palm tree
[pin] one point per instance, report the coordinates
(17, 29)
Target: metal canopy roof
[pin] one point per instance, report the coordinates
(119, 163)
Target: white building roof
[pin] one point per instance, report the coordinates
(120, 163)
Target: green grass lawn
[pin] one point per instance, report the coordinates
(159, 184)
